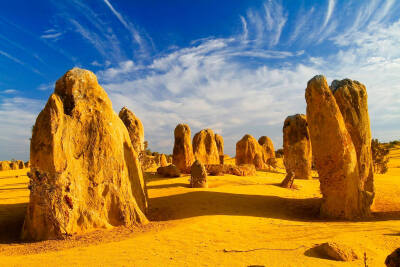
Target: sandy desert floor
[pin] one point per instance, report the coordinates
(238, 221)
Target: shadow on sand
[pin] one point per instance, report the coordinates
(11, 221)
(199, 203)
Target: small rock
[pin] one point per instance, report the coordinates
(335, 251)
(198, 175)
(169, 171)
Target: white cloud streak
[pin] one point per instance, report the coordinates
(329, 11)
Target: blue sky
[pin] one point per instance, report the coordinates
(234, 66)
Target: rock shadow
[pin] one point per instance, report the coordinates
(200, 203)
(11, 220)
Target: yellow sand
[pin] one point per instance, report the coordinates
(266, 225)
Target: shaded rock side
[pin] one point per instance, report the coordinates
(268, 147)
(14, 165)
(205, 147)
(85, 173)
(297, 147)
(135, 128)
(182, 156)
(219, 140)
(352, 99)
(393, 260)
(21, 164)
(335, 155)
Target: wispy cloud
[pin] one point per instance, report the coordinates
(329, 11)
(247, 82)
(51, 34)
(46, 86)
(264, 27)
(9, 91)
(20, 62)
(128, 25)
(212, 84)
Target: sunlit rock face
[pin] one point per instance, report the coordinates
(352, 99)
(336, 159)
(182, 156)
(297, 147)
(135, 128)
(85, 173)
(205, 147)
(249, 151)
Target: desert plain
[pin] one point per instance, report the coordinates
(236, 221)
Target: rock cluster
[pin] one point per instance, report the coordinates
(249, 151)
(198, 175)
(182, 156)
(85, 173)
(205, 147)
(297, 147)
(259, 153)
(345, 179)
(135, 128)
(238, 170)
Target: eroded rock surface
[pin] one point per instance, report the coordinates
(352, 99)
(268, 147)
(297, 147)
(335, 155)
(182, 156)
(205, 147)
(219, 140)
(249, 151)
(335, 251)
(85, 173)
(198, 175)
(169, 171)
(135, 128)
